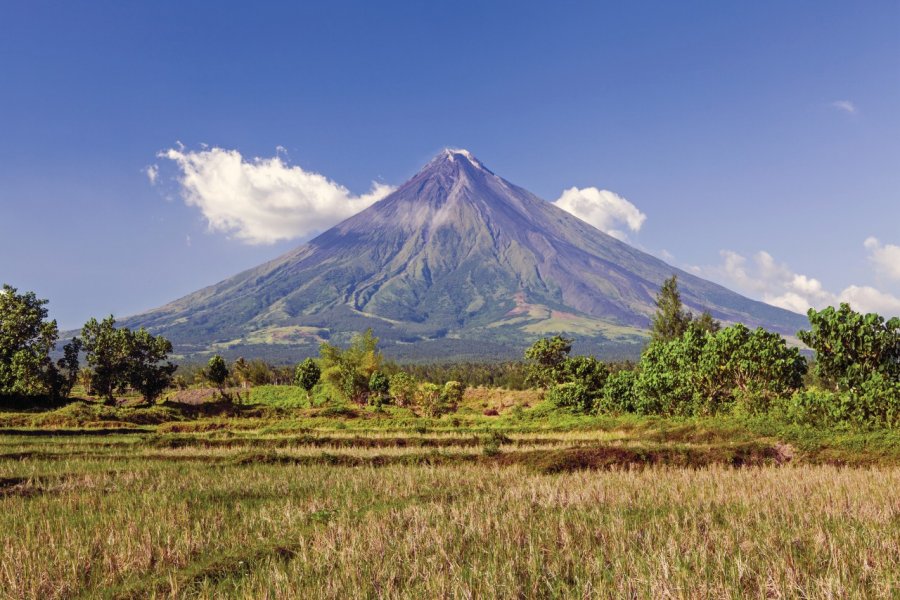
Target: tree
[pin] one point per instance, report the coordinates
(706, 323)
(851, 347)
(241, 371)
(666, 383)
(671, 319)
(403, 388)
(107, 350)
(545, 357)
(217, 371)
(148, 370)
(756, 364)
(350, 369)
(618, 393)
(378, 388)
(66, 371)
(452, 395)
(429, 399)
(573, 395)
(119, 358)
(307, 375)
(26, 339)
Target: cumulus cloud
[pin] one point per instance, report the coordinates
(775, 283)
(605, 210)
(885, 257)
(263, 200)
(152, 172)
(845, 105)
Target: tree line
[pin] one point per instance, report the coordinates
(694, 366)
(691, 366)
(357, 374)
(118, 359)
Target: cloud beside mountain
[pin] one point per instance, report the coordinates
(777, 284)
(263, 200)
(605, 210)
(267, 200)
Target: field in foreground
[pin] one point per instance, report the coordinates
(337, 505)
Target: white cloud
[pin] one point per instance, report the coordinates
(263, 200)
(775, 283)
(605, 210)
(885, 257)
(152, 172)
(845, 105)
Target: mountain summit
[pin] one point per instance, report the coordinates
(457, 262)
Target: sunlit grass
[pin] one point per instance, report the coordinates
(352, 502)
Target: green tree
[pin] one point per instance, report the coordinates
(26, 339)
(217, 371)
(379, 385)
(452, 395)
(666, 383)
(120, 358)
(65, 373)
(349, 370)
(148, 370)
(851, 347)
(755, 365)
(428, 398)
(307, 375)
(403, 388)
(545, 358)
(618, 393)
(579, 383)
(107, 354)
(706, 323)
(671, 319)
(573, 395)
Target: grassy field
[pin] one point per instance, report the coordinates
(262, 501)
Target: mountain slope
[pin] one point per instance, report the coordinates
(455, 262)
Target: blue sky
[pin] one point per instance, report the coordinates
(736, 128)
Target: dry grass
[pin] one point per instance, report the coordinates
(269, 516)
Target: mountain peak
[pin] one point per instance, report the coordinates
(459, 157)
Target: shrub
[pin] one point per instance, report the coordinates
(429, 399)
(307, 374)
(452, 395)
(875, 404)
(666, 384)
(851, 347)
(572, 395)
(402, 387)
(378, 387)
(618, 394)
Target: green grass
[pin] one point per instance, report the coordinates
(277, 499)
(279, 396)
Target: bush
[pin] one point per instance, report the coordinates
(452, 395)
(875, 404)
(618, 394)
(572, 395)
(429, 399)
(666, 383)
(851, 347)
(402, 388)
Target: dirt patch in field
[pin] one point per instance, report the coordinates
(549, 461)
(73, 432)
(607, 457)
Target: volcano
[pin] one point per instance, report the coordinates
(457, 263)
